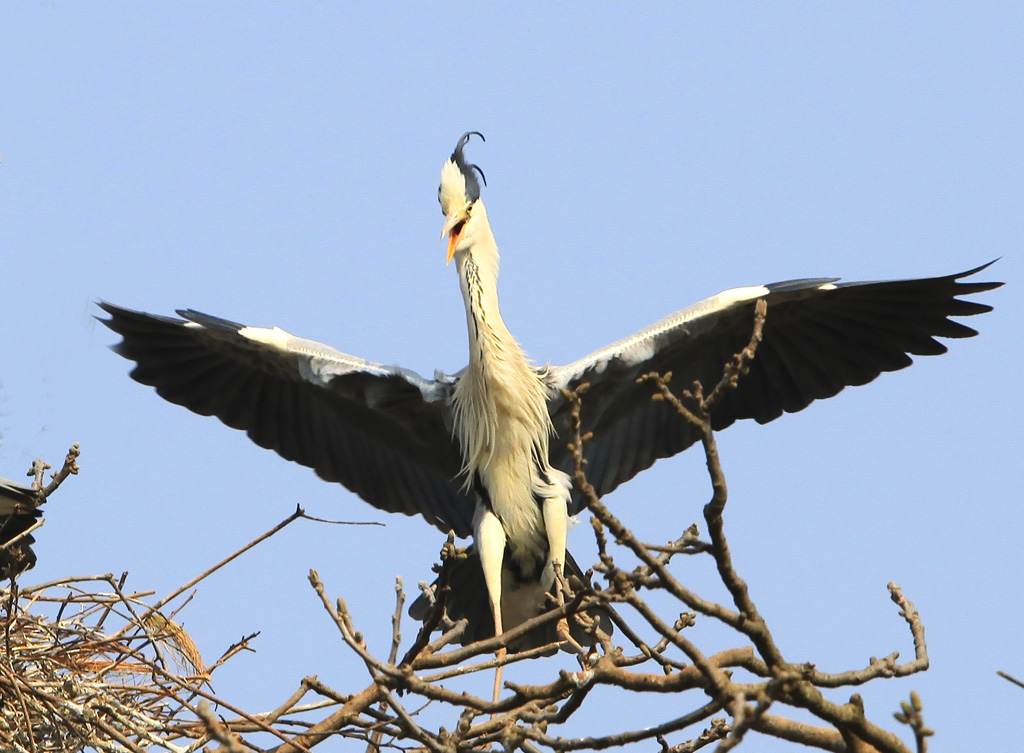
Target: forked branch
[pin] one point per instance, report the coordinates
(427, 697)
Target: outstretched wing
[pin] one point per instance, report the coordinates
(819, 336)
(381, 431)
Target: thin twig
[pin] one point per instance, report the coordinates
(1012, 679)
(299, 513)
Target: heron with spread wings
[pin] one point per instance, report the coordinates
(483, 452)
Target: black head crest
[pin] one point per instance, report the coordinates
(469, 171)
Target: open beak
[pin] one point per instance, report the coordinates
(455, 217)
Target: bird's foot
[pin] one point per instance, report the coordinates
(568, 643)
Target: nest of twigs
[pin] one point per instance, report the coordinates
(85, 665)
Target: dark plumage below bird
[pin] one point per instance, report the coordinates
(18, 512)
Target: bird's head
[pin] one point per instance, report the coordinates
(459, 194)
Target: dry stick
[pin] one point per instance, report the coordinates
(352, 709)
(1012, 679)
(698, 414)
(342, 522)
(848, 718)
(299, 513)
(886, 666)
(800, 732)
(622, 534)
(529, 702)
(291, 705)
(34, 527)
(490, 645)
(422, 641)
(234, 648)
(23, 706)
(418, 733)
(69, 468)
(174, 679)
(60, 582)
(396, 640)
(118, 589)
(343, 620)
(624, 738)
(515, 658)
(753, 626)
(910, 714)
(909, 612)
(217, 730)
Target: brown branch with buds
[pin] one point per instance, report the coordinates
(426, 699)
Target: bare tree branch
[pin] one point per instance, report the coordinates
(418, 700)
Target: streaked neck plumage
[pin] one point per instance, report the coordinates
(499, 385)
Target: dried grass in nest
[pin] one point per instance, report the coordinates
(85, 665)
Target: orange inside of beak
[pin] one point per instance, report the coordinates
(453, 240)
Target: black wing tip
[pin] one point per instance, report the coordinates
(209, 321)
(976, 287)
(971, 308)
(949, 286)
(121, 318)
(979, 268)
(116, 312)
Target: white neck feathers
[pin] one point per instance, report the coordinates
(499, 387)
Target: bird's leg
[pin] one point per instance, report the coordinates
(556, 523)
(490, 540)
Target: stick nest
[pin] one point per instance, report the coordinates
(85, 665)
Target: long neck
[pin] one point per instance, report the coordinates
(478, 278)
(499, 386)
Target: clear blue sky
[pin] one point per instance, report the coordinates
(277, 164)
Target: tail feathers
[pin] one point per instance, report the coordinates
(467, 599)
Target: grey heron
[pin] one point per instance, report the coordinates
(483, 452)
(19, 511)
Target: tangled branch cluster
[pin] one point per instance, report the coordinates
(87, 665)
(77, 684)
(383, 714)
